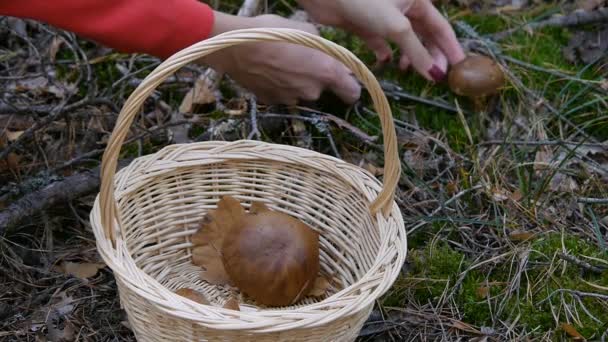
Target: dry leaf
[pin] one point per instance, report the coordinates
(483, 291)
(416, 161)
(208, 233)
(57, 335)
(236, 106)
(210, 237)
(179, 132)
(301, 133)
(81, 270)
(516, 196)
(570, 330)
(320, 288)
(49, 316)
(200, 94)
(96, 124)
(376, 171)
(35, 84)
(563, 183)
(520, 236)
(218, 222)
(499, 195)
(210, 260)
(586, 46)
(542, 160)
(589, 5)
(460, 325)
(12, 136)
(258, 207)
(54, 47)
(193, 295)
(12, 162)
(232, 304)
(452, 188)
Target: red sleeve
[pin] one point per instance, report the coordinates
(156, 27)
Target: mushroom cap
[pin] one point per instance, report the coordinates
(476, 76)
(272, 257)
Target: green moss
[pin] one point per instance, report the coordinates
(473, 299)
(431, 270)
(196, 131)
(437, 267)
(420, 238)
(553, 243)
(131, 150)
(543, 282)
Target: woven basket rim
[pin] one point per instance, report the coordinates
(165, 153)
(265, 320)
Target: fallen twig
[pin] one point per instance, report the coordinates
(576, 18)
(442, 206)
(326, 117)
(322, 126)
(580, 263)
(253, 112)
(47, 109)
(589, 200)
(72, 187)
(394, 91)
(57, 112)
(542, 143)
(548, 71)
(575, 293)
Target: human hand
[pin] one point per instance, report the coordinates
(425, 38)
(280, 73)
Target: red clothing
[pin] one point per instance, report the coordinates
(156, 27)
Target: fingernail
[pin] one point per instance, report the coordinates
(436, 73)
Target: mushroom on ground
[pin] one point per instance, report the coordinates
(476, 77)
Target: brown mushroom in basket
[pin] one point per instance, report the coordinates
(270, 256)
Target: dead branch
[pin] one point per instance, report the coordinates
(249, 8)
(47, 109)
(543, 143)
(253, 113)
(69, 189)
(394, 91)
(325, 117)
(575, 293)
(55, 114)
(547, 71)
(583, 264)
(589, 200)
(576, 18)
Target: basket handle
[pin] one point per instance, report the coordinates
(392, 167)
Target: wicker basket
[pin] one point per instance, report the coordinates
(145, 214)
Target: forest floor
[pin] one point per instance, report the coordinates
(506, 207)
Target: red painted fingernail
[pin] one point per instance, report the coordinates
(436, 73)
